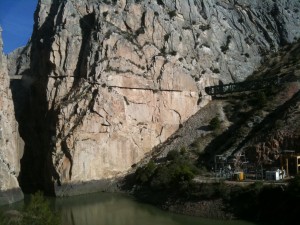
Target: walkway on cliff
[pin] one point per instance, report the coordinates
(15, 77)
(248, 85)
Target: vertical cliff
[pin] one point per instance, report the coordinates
(11, 145)
(112, 79)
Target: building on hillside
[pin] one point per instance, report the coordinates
(275, 174)
(290, 161)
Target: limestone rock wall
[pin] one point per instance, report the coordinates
(266, 146)
(11, 145)
(18, 61)
(112, 79)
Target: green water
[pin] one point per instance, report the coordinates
(117, 209)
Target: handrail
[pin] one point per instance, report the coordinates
(249, 85)
(15, 77)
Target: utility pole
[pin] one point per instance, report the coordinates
(287, 166)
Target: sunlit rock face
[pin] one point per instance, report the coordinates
(113, 79)
(11, 145)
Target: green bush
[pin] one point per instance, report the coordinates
(294, 187)
(4, 220)
(245, 200)
(173, 154)
(36, 212)
(261, 99)
(162, 179)
(215, 123)
(174, 174)
(172, 13)
(13, 217)
(144, 174)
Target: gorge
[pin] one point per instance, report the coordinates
(104, 82)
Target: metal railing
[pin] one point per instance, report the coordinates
(250, 85)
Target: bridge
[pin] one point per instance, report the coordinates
(249, 85)
(15, 77)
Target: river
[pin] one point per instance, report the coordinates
(119, 209)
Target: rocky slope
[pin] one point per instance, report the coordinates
(11, 145)
(258, 124)
(112, 79)
(280, 128)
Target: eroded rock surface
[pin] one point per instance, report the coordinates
(11, 145)
(113, 79)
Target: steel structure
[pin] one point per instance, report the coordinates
(249, 85)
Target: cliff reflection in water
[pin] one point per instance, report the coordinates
(117, 209)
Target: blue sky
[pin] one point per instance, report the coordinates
(16, 20)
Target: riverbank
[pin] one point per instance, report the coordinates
(256, 202)
(211, 207)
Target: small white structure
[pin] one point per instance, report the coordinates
(275, 174)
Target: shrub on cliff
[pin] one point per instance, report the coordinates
(215, 123)
(261, 99)
(173, 154)
(174, 174)
(143, 174)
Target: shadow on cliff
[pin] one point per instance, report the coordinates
(36, 122)
(86, 24)
(231, 138)
(37, 115)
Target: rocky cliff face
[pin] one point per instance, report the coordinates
(11, 145)
(113, 79)
(254, 126)
(281, 130)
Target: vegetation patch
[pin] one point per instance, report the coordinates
(174, 175)
(215, 123)
(160, 2)
(225, 47)
(172, 13)
(204, 27)
(36, 212)
(255, 202)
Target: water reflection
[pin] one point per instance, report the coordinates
(117, 209)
